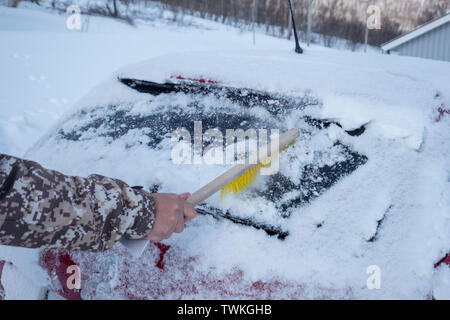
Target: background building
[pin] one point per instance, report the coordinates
(431, 41)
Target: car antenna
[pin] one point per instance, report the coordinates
(298, 49)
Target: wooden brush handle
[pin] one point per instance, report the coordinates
(136, 247)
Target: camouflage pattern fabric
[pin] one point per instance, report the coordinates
(44, 208)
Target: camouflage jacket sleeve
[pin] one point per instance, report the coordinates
(44, 208)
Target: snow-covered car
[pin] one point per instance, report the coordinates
(339, 205)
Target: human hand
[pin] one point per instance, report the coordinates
(172, 211)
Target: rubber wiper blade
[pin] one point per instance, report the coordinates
(149, 86)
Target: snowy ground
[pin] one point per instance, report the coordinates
(46, 69)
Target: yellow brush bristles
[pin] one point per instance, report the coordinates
(244, 181)
(241, 183)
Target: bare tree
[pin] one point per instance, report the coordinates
(331, 19)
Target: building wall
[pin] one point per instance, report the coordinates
(432, 45)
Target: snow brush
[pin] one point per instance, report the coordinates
(233, 180)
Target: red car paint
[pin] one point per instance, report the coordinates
(445, 260)
(58, 262)
(442, 112)
(176, 279)
(201, 80)
(163, 249)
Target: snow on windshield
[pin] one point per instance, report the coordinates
(132, 140)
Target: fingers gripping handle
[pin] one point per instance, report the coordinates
(137, 247)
